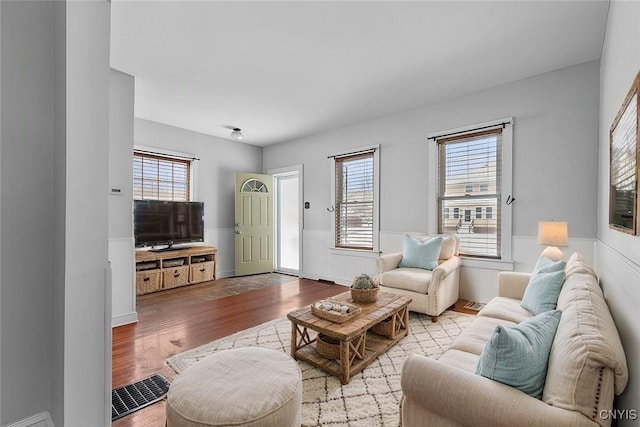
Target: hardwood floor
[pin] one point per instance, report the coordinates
(177, 320)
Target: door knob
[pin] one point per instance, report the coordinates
(238, 232)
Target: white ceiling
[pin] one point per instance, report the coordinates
(284, 70)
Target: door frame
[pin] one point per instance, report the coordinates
(299, 169)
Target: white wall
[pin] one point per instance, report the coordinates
(219, 160)
(26, 175)
(555, 126)
(59, 211)
(0, 215)
(87, 343)
(121, 243)
(618, 254)
(54, 326)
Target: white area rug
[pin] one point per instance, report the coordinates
(372, 397)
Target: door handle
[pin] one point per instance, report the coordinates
(238, 232)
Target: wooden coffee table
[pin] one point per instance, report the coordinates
(358, 345)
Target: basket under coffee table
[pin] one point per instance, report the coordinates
(359, 346)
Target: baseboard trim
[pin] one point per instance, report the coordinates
(225, 274)
(124, 319)
(326, 279)
(33, 420)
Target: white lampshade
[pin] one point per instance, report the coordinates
(553, 233)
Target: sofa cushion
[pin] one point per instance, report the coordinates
(506, 309)
(410, 279)
(449, 247)
(518, 355)
(417, 254)
(577, 264)
(460, 359)
(475, 336)
(544, 286)
(586, 345)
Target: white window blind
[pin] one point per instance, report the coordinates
(160, 177)
(469, 180)
(354, 201)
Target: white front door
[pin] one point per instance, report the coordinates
(254, 224)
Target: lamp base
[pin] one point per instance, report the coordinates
(553, 253)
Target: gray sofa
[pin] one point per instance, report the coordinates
(586, 368)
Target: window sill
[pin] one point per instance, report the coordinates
(360, 253)
(488, 264)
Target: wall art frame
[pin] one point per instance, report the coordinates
(624, 164)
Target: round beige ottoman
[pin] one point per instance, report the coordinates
(249, 386)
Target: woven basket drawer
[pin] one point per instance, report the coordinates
(202, 271)
(389, 327)
(147, 281)
(176, 276)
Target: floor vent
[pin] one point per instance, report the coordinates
(475, 306)
(128, 399)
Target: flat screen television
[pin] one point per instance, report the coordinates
(157, 222)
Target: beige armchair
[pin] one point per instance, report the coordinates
(431, 291)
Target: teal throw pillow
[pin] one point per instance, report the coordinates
(546, 265)
(518, 355)
(417, 254)
(544, 286)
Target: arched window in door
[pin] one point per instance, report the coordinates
(254, 186)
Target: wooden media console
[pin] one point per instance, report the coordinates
(157, 271)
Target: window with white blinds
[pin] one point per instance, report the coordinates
(161, 177)
(469, 184)
(355, 201)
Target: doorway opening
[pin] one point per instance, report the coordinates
(288, 219)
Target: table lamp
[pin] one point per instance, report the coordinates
(553, 234)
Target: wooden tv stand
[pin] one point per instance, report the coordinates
(157, 271)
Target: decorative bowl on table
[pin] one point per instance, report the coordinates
(335, 311)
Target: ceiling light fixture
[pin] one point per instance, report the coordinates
(236, 134)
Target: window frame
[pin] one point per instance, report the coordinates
(506, 257)
(375, 250)
(181, 156)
